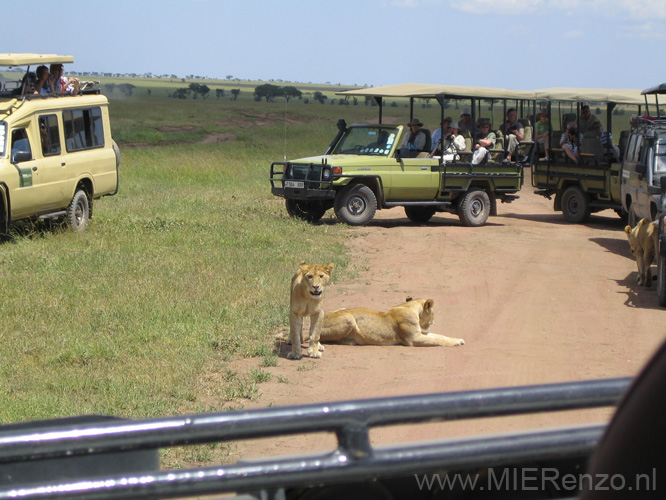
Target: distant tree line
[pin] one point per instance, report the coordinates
(269, 92)
(201, 90)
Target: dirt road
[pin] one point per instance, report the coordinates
(537, 300)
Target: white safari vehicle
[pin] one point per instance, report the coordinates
(56, 150)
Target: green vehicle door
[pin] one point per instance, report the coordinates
(414, 179)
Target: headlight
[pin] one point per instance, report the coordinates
(326, 174)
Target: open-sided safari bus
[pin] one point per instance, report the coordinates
(363, 169)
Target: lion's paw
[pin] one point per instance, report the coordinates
(321, 348)
(294, 355)
(314, 353)
(460, 341)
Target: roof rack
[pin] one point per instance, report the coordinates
(650, 122)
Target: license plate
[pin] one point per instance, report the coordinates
(294, 184)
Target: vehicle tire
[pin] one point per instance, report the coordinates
(78, 212)
(622, 215)
(355, 205)
(661, 280)
(474, 208)
(419, 215)
(575, 205)
(310, 211)
(632, 220)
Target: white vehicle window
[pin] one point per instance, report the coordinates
(3, 138)
(660, 157)
(20, 142)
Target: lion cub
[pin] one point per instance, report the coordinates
(307, 287)
(403, 324)
(643, 241)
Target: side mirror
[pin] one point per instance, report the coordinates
(21, 156)
(662, 184)
(641, 168)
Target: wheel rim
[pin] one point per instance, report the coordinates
(356, 205)
(476, 207)
(79, 213)
(574, 205)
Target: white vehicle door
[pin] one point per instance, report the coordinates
(25, 188)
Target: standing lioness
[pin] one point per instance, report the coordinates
(307, 287)
(403, 324)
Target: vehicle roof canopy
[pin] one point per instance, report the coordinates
(657, 89)
(28, 59)
(422, 90)
(620, 96)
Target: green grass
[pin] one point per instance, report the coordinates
(187, 267)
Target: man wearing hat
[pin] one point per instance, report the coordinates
(416, 141)
(465, 122)
(452, 144)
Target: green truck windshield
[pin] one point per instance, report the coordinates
(375, 141)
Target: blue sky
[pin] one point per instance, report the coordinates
(517, 44)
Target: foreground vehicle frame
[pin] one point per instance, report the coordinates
(62, 459)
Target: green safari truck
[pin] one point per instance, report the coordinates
(593, 183)
(362, 170)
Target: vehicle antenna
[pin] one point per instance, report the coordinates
(285, 129)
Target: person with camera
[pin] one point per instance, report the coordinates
(453, 142)
(570, 141)
(513, 131)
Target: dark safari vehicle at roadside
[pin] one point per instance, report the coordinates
(363, 171)
(644, 177)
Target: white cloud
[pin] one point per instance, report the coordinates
(646, 31)
(495, 7)
(644, 9)
(633, 9)
(574, 34)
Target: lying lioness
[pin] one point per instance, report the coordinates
(643, 240)
(307, 287)
(404, 324)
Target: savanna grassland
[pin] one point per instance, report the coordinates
(185, 268)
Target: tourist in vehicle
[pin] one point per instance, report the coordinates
(612, 151)
(416, 141)
(27, 84)
(437, 137)
(484, 143)
(453, 142)
(465, 122)
(570, 141)
(513, 131)
(542, 134)
(44, 82)
(61, 84)
(587, 119)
